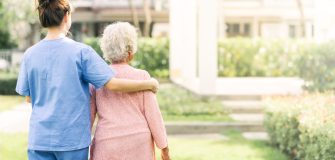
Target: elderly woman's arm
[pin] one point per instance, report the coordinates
(126, 85)
(155, 121)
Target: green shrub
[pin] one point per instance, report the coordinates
(5, 40)
(152, 55)
(313, 62)
(242, 57)
(177, 102)
(317, 67)
(8, 84)
(304, 128)
(95, 44)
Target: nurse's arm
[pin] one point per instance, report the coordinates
(126, 85)
(28, 99)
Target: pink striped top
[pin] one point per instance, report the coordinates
(122, 114)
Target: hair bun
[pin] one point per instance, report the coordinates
(44, 3)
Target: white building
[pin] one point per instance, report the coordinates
(246, 18)
(277, 18)
(91, 16)
(196, 26)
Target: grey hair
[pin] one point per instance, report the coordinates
(118, 39)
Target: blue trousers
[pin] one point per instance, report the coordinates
(81, 154)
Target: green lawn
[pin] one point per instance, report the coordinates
(178, 104)
(13, 146)
(236, 148)
(8, 102)
(4, 75)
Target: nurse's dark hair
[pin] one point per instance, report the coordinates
(52, 12)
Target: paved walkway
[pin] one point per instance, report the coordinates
(15, 120)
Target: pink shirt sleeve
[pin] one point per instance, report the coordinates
(93, 105)
(154, 118)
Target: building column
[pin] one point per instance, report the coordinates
(183, 44)
(207, 46)
(255, 28)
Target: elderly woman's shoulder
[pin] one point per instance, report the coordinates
(143, 73)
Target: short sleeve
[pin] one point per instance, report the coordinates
(95, 69)
(22, 85)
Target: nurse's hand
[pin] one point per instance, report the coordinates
(155, 85)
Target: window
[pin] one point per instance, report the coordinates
(238, 29)
(293, 31)
(247, 30)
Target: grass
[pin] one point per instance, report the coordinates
(13, 146)
(8, 102)
(236, 148)
(178, 104)
(4, 75)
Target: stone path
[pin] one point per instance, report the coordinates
(247, 116)
(15, 120)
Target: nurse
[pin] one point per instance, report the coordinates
(55, 75)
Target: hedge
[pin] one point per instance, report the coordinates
(313, 62)
(8, 84)
(304, 128)
(152, 55)
(242, 57)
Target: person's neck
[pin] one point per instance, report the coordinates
(120, 63)
(55, 33)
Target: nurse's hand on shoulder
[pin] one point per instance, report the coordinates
(155, 84)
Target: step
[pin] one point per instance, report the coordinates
(248, 117)
(211, 127)
(240, 97)
(212, 136)
(243, 106)
(256, 136)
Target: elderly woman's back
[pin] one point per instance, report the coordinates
(129, 124)
(127, 121)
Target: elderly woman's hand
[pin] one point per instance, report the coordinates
(155, 85)
(165, 154)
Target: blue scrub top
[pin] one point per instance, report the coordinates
(56, 75)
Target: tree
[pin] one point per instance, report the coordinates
(302, 18)
(134, 15)
(5, 39)
(148, 19)
(20, 19)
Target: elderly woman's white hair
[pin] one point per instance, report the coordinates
(118, 40)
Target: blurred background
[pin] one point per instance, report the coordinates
(240, 79)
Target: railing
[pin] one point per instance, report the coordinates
(6, 55)
(10, 59)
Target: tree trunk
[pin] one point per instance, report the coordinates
(302, 19)
(148, 20)
(134, 15)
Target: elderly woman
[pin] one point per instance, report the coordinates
(129, 124)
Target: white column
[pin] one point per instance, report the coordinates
(324, 20)
(183, 45)
(255, 28)
(207, 45)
